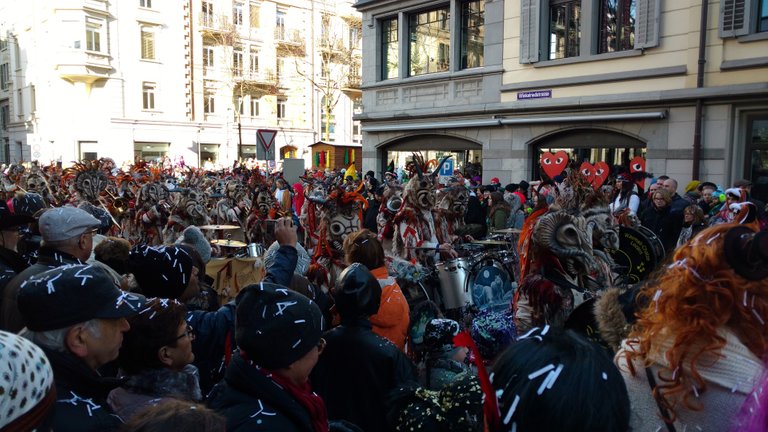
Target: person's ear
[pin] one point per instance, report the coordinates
(76, 341)
(164, 355)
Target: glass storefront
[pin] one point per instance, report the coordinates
(466, 161)
(150, 151)
(757, 162)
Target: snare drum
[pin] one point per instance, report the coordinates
(453, 276)
(491, 285)
(639, 252)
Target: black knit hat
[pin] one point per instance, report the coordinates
(161, 271)
(358, 293)
(275, 326)
(747, 252)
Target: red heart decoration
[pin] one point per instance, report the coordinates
(588, 171)
(637, 164)
(602, 170)
(554, 164)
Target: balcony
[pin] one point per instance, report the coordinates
(290, 42)
(256, 83)
(77, 65)
(217, 27)
(351, 87)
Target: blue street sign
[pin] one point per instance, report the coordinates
(447, 169)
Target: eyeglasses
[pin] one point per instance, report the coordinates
(189, 332)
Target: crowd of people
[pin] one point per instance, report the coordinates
(109, 320)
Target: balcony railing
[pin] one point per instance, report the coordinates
(212, 22)
(291, 36)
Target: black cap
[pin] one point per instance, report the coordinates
(275, 326)
(28, 203)
(9, 219)
(161, 271)
(358, 293)
(72, 294)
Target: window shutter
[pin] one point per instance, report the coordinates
(147, 45)
(647, 24)
(735, 17)
(529, 31)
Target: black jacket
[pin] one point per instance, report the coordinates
(10, 317)
(356, 373)
(81, 396)
(252, 402)
(11, 264)
(369, 219)
(666, 224)
(215, 331)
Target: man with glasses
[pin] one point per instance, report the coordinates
(67, 234)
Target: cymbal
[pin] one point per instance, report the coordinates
(489, 242)
(229, 243)
(218, 227)
(508, 231)
(420, 248)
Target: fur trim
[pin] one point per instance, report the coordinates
(611, 322)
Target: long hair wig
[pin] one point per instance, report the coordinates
(687, 302)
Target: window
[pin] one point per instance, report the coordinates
(7, 151)
(429, 39)
(743, 17)
(354, 37)
(254, 14)
(209, 102)
(207, 56)
(281, 113)
(584, 28)
(93, 28)
(145, 3)
(3, 44)
(616, 25)
(472, 34)
(20, 104)
(357, 132)
(280, 68)
(280, 25)
(564, 28)
(237, 14)
(237, 62)
(324, 68)
(254, 63)
(5, 76)
(389, 49)
(207, 14)
(148, 95)
(147, 43)
(240, 105)
(254, 107)
(5, 115)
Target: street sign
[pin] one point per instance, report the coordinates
(447, 168)
(265, 144)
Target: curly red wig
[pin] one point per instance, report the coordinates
(688, 301)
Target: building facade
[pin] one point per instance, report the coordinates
(683, 84)
(143, 79)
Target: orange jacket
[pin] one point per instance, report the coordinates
(391, 322)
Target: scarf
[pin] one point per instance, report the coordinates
(306, 397)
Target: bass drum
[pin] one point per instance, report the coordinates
(490, 285)
(640, 252)
(453, 276)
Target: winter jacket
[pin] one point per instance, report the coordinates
(356, 372)
(498, 218)
(81, 395)
(250, 401)
(11, 264)
(666, 224)
(392, 319)
(10, 316)
(151, 387)
(215, 331)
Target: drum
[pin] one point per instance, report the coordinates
(453, 276)
(639, 252)
(490, 284)
(511, 262)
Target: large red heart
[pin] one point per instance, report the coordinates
(637, 164)
(554, 164)
(602, 170)
(588, 171)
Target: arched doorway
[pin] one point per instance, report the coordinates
(587, 144)
(467, 155)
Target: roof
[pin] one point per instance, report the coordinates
(337, 144)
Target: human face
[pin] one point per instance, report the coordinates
(105, 347)
(706, 194)
(180, 351)
(659, 201)
(193, 286)
(688, 216)
(654, 187)
(298, 372)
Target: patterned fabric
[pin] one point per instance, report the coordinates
(26, 379)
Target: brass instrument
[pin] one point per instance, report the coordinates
(120, 204)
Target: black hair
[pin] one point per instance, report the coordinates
(581, 374)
